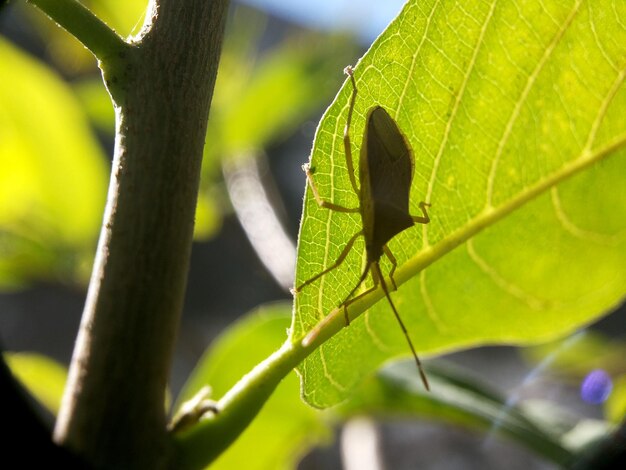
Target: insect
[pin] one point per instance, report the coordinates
(385, 175)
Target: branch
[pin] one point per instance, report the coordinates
(113, 411)
(80, 22)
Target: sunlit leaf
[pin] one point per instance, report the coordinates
(52, 174)
(515, 113)
(285, 427)
(43, 377)
(286, 85)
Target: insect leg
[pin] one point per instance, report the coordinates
(404, 330)
(310, 337)
(348, 300)
(320, 202)
(394, 265)
(418, 219)
(346, 132)
(339, 260)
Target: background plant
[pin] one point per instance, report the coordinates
(486, 102)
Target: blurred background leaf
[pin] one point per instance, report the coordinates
(615, 407)
(43, 377)
(286, 427)
(52, 179)
(396, 392)
(262, 94)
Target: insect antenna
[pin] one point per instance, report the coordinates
(404, 330)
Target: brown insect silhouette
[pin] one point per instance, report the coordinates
(385, 173)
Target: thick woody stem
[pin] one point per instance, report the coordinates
(113, 411)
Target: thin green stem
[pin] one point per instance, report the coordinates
(80, 22)
(203, 443)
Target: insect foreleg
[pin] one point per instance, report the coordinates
(418, 219)
(320, 202)
(346, 132)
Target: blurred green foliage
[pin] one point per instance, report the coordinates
(286, 427)
(52, 175)
(43, 377)
(53, 171)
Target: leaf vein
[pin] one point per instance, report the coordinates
(619, 79)
(530, 82)
(430, 307)
(506, 286)
(592, 26)
(457, 102)
(327, 374)
(376, 341)
(578, 232)
(414, 58)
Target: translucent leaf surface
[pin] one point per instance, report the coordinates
(52, 174)
(285, 427)
(515, 114)
(43, 377)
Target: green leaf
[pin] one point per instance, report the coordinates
(267, 102)
(397, 392)
(514, 111)
(97, 104)
(43, 377)
(285, 427)
(615, 406)
(53, 178)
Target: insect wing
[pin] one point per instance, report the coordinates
(387, 169)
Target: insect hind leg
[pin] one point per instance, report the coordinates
(376, 273)
(394, 265)
(350, 300)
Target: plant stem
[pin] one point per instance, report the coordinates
(113, 411)
(237, 409)
(75, 18)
